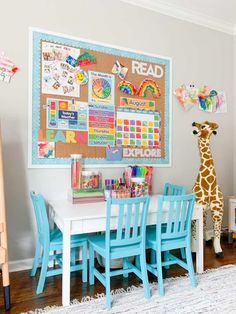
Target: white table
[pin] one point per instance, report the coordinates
(85, 218)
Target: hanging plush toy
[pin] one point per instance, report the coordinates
(187, 96)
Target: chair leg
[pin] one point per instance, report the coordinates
(108, 283)
(73, 256)
(137, 261)
(166, 259)
(36, 259)
(183, 254)
(143, 265)
(190, 266)
(91, 265)
(152, 256)
(125, 267)
(84, 263)
(43, 272)
(159, 274)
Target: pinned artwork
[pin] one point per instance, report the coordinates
(120, 70)
(58, 70)
(127, 87)
(208, 103)
(206, 99)
(110, 104)
(149, 85)
(187, 96)
(221, 104)
(81, 77)
(86, 58)
(46, 150)
(7, 69)
(113, 153)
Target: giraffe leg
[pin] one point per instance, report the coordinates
(217, 216)
(205, 214)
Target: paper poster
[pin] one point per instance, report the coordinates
(137, 128)
(67, 115)
(46, 150)
(59, 70)
(114, 153)
(101, 88)
(137, 104)
(101, 125)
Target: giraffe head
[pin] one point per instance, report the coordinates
(205, 129)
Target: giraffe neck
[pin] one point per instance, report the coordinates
(205, 152)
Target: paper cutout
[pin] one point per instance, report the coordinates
(208, 103)
(221, 104)
(114, 153)
(137, 104)
(203, 91)
(187, 96)
(137, 128)
(46, 149)
(71, 61)
(101, 87)
(81, 77)
(120, 70)
(7, 69)
(58, 76)
(141, 152)
(101, 130)
(86, 59)
(149, 85)
(127, 87)
(67, 115)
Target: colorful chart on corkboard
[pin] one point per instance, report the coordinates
(110, 104)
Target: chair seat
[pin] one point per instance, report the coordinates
(98, 242)
(168, 244)
(56, 237)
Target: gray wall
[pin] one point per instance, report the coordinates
(199, 54)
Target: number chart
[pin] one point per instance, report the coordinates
(110, 104)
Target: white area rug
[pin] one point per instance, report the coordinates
(215, 293)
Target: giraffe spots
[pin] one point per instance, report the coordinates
(204, 183)
(210, 179)
(205, 173)
(204, 149)
(207, 163)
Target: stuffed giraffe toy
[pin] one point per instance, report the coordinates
(206, 188)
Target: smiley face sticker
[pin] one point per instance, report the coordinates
(81, 77)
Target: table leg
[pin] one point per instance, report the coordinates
(66, 265)
(199, 244)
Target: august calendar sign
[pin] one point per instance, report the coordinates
(110, 104)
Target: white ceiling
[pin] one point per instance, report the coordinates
(216, 14)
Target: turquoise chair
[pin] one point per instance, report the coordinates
(173, 189)
(176, 235)
(125, 236)
(51, 241)
(170, 189)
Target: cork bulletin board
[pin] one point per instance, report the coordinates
(110, 104)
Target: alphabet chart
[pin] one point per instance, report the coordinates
(110, 104)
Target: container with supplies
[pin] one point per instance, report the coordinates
(90, 180)
(76, 169)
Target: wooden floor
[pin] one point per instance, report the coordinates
(24, 298)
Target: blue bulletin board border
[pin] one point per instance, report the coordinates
(36, 36)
